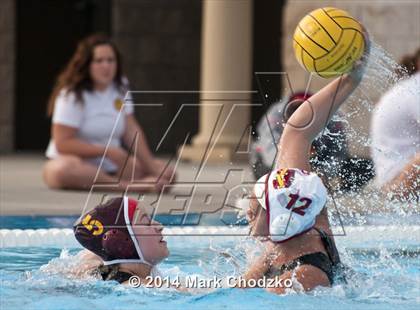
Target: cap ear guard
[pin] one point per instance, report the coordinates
(117, 243)
(243, 204)
(259, 190)
(132, 236)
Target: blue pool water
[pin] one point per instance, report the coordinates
(192, 219)
(36, 222)
(387, 275)
(38, 278)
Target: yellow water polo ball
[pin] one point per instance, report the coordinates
(328, 41)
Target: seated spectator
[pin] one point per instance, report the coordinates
(395, 134)
(88, 112)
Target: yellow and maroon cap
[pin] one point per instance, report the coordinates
(106, 231)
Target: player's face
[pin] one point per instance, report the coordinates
(149, 236)
(103, 66)
(256, 216)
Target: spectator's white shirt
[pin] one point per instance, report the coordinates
(97, 119)
(395, 129)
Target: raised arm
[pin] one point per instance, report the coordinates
(313, 116)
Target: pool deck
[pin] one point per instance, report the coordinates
(23, 192)
(207, 188)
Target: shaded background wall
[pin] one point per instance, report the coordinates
(7, 74)
(160, 42)
(46, 33)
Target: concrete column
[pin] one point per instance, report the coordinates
(226, 79)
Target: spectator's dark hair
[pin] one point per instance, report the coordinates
(410, 63)
(75, 77)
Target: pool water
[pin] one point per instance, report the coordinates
(38, 278)
(37, 222)
(195, 219)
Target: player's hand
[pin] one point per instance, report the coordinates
(117, 155)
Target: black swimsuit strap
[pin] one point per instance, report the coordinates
(329, 246)
(120, 277)
(330, 264)
(113, 274)
(317, 259)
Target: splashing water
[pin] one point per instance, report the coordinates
(382, 73)
(42, 278)
(382, 274)
(384, 277)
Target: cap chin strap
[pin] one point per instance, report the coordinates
(133, 238)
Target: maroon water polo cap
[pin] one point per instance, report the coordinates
(106, 231)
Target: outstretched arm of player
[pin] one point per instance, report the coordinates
(313, 115)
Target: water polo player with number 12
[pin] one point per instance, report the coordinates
(288, 209)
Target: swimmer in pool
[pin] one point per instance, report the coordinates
(287, 208)
(121, 241)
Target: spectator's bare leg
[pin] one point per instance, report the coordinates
(71, 172)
